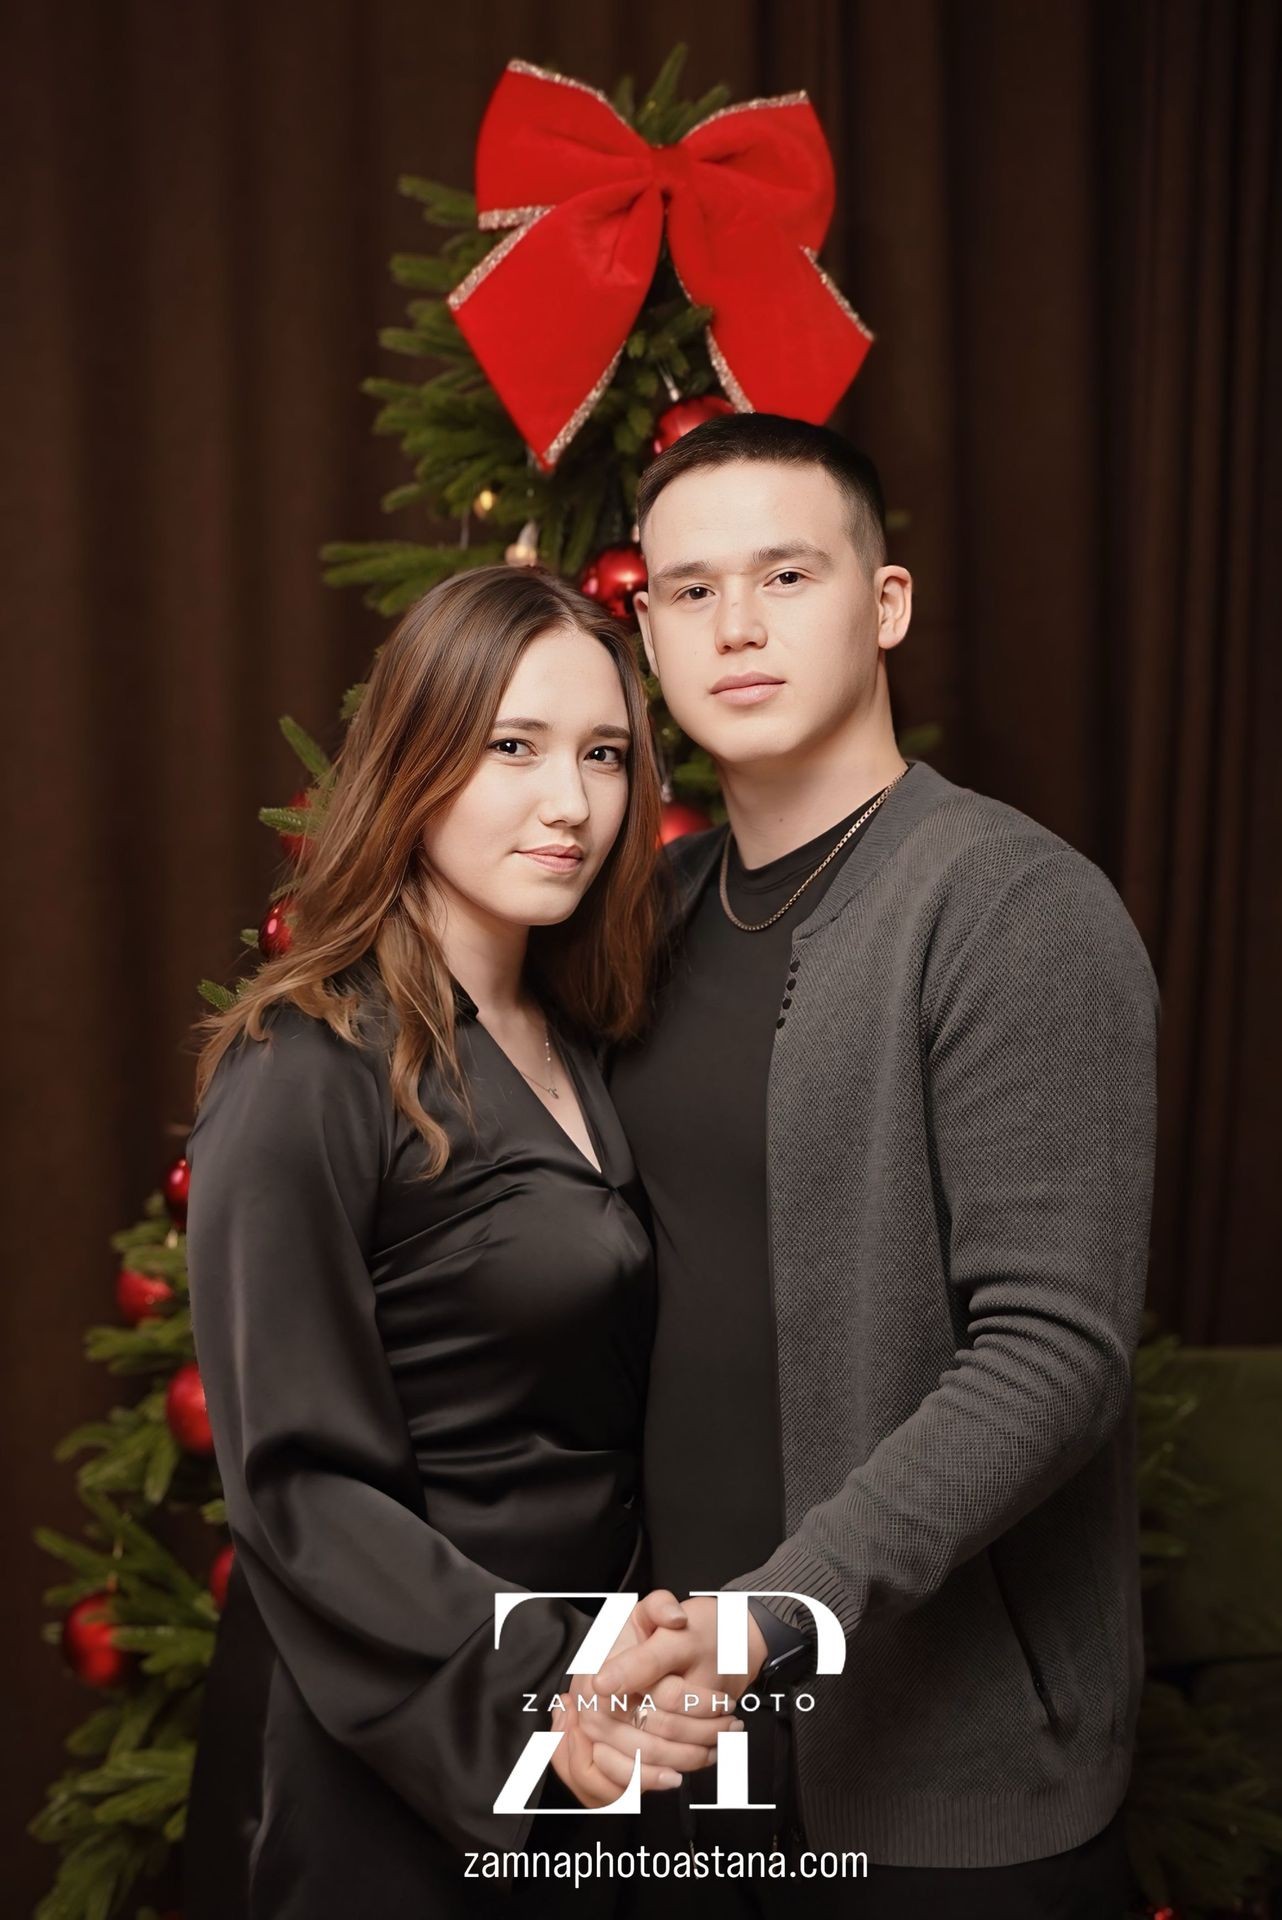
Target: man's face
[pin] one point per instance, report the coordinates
(754, 578)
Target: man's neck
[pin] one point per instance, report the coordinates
(775, 808)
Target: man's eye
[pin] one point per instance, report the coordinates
(685, 591)
(500, 747)
(787, 575)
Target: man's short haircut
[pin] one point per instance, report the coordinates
(774, 437)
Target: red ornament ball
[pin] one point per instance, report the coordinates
(220, 1574)
(87, 1644)
(138, 1294)
(678, 819)
(274, 937)
(176, 1186)
(684, 416)
(298, 845)
(612, 579)
(185, 1410)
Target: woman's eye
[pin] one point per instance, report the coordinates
(617, 756)
(501, 748)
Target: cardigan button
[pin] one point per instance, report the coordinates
(787, 1002)
(780, 1021)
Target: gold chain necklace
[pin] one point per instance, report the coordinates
(760, 926)
(547, 1048)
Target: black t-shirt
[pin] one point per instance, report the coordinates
(692, 1099)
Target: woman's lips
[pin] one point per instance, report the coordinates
(750, 696)
(554, 862)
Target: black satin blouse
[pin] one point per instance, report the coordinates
(422, 1393)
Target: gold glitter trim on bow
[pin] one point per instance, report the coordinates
(555, 448)
(509, 217)
(566, 80)
(799, 99)
(484, 268)
(721, 366)
(839, 296)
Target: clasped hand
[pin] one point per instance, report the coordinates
(667, 1654)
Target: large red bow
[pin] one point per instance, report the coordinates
(748, 194)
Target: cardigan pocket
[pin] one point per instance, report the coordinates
(1027, 1653)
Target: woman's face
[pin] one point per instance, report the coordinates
(525, 838)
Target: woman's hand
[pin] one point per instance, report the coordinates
(677, 1669)
(596, 1758)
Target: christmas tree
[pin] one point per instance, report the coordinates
(505, 480)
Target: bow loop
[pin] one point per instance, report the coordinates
(747, 196)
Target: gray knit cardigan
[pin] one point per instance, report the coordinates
(960, 1162)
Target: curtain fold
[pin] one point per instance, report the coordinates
(1193, 581)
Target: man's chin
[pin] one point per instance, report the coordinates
(749, 748)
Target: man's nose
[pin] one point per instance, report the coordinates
(739, 624)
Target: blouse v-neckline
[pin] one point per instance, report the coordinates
(466, 1005)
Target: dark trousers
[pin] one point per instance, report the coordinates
(1089, 1882)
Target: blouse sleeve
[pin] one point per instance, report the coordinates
(386, 1629)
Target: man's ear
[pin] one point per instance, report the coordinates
(893, 587)
(641, 607)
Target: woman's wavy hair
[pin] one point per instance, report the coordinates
(365, 892)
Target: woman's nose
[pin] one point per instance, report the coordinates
(565, 797)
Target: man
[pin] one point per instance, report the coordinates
(896, 1123)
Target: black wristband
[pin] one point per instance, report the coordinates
(791, 1652)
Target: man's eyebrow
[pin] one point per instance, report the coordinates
(604, 731)
(762, 557)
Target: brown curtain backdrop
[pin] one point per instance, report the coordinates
(1062, 221)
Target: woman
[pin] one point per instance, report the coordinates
(421, 1285)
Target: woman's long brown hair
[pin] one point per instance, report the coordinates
(365, 889)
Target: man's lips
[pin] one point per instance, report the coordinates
(745, 689)
(555, 859)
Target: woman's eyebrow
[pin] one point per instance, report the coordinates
(605, 730)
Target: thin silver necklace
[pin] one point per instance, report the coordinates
(759, 926)
(547, 1049)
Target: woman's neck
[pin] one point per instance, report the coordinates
(486, 956)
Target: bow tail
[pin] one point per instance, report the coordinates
(547, 311)
(782, 338)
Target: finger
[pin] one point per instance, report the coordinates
(659, 1609)
(618, 1768)
(689, 1728)
(687, 1756)
(643, 1666)
(598, 1786)
(674, 1724)
(678, 1693)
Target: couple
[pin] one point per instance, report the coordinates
(772, 1217)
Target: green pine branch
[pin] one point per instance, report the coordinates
(1203, 1819)
(313, 757)
(219, 997)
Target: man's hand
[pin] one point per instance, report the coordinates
(597, 1756)
(672, 1663)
